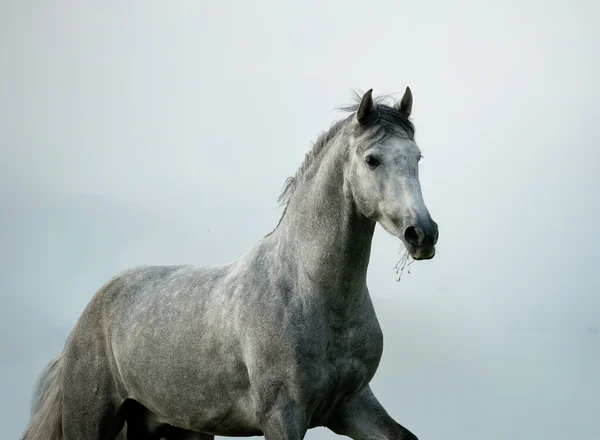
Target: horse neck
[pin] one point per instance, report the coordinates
(324, 234)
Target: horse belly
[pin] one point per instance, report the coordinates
(208, 400)
(203, 386)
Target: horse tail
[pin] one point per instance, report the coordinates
(46, 408)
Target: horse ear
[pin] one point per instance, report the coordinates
(405, 104)
(365, 108)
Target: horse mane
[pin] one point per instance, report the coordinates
(387, 120)
(318, 147)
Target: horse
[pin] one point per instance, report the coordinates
(283, 339)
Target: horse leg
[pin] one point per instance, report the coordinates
(141, 424)
(363, 417)
(90, 411)
(91, 399)
(283, 421)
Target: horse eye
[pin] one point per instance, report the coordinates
(372, 162)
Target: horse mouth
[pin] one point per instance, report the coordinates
(422, 253)
(424, 257)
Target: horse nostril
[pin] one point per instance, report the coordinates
(414, 235)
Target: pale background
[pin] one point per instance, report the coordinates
(147, 132)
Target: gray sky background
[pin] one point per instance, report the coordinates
(162, 132)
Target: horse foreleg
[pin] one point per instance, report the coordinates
(363, 417)
(282, 420)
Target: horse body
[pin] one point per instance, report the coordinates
(227, 358)
(283, 339)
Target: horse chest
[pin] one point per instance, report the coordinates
(354, 356)
(349, 361)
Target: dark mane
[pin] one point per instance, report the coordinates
(315, 152)
(386, 121)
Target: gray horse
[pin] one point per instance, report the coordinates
(281, 340)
